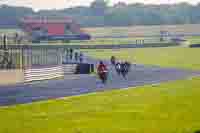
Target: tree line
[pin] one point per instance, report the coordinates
(120, 14)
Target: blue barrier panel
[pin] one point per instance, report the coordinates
(84, 68)
(195, 46)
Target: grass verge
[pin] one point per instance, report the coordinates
(166, 108)
(186, 58)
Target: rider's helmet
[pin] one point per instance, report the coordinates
(112, 59)
(101, 62)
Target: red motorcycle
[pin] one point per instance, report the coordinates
(103, 76)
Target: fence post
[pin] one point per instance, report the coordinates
(61, 57)
(92, 68)
(5, 42)
(21, 58)
(1, 39)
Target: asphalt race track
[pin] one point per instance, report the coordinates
(81, 84)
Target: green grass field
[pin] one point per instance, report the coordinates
(117, 41)
(105, 41)
(194, 40)
(167, 108)
(8, 31)
(178, 57)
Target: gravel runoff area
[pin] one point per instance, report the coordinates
(82, 84)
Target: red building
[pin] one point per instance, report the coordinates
(53, 28)
(50, 25)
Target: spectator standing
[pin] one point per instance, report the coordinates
(4, 41)
(81, 57)
(16, 38)
(71, 53)
(76, 56)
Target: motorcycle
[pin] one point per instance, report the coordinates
(103, 76)
(118, 68)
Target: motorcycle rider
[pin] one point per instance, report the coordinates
(112, 60)
(102, 71)
(124, 69)
(118, 67)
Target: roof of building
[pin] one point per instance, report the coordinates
(47, 20)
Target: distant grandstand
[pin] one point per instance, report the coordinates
(52, 28)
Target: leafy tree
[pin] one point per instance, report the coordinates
(121, 14)
(99, 7)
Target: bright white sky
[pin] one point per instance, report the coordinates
(59, 4)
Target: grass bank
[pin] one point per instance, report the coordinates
(186, 58)
(167, 108)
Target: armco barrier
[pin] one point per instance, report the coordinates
(69, 68)
(43, 73)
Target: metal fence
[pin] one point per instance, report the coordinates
(10, 59)
(20, 57)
